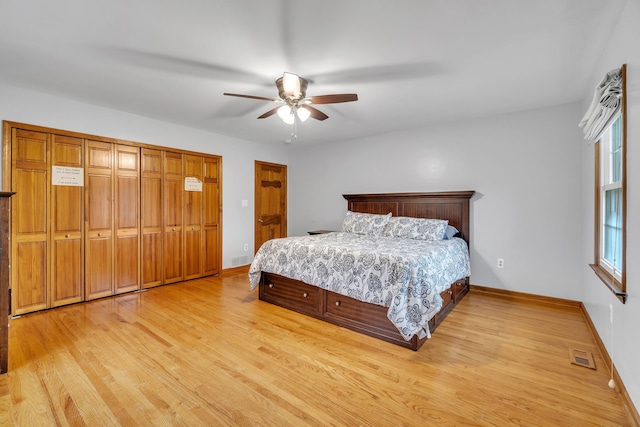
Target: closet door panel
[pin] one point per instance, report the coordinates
(151, 209)
(192, 249)
(67, 275)
(193, 168)
(67, 266)
(173, 256)
(99, 272)
(211, 217)
(127, 263)
(152, 260)
(173, 221)
(211, 251)
(29, 221)
(127, 219)
(29, 268)
(99, 198)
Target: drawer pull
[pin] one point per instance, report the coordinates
(271, 285)
(337, 303)
(173, 229)
(99, 234)
(305, 294)
(67, 235)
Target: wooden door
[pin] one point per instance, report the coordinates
(270, 202)
(98, 220)
(151, 210)
(127, 219)
(67, 236)
(29, 221)
(193, 177)
(212, 209)
(173, 193)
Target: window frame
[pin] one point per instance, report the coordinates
(616, 283)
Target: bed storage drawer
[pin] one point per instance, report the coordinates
(370, 319)
(459, 289)
(290, 294)
(341, 307)
(447, 304)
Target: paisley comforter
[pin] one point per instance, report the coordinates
(405, 275)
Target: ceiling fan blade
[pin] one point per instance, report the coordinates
(333, 99)
(269, 113)
(316, 114)
(251, 97)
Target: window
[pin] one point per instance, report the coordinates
(610, 237)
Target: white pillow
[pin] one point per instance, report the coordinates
(416, 228)
(363, 223)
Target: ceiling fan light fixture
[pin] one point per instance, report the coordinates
(291, 85)
(303, 113)
(290, 119)
(284, 112)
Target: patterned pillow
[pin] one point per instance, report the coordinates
(362, 223)
(416, 228)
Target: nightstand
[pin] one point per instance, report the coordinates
(313, 233)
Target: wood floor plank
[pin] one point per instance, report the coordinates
(208, 352)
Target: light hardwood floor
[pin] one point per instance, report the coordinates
(207, 352)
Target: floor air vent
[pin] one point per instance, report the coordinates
(581, 358)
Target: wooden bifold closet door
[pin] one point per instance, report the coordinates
(67, 231)
(30, 221)
(212, 210)
(99, 220)
(127, 219)
(152, 219)
(112, 255)
(173, 217)
(93, 217)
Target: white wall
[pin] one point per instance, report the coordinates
(525, 168)
(238, 156)
(625, 350)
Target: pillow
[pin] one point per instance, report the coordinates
(362, 223)
(450, 232)
(416, 228)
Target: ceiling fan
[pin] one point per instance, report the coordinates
(292, 90)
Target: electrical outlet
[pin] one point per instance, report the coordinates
(246, 246)
(500, 263)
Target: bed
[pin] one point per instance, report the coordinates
(317, 275)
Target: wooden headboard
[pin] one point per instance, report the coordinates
(450, 205)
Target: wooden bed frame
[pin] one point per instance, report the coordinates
(371, 319)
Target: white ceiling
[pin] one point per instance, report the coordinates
(411, 62)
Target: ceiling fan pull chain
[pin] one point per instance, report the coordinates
(294, 132)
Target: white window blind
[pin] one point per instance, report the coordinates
(604, 107)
